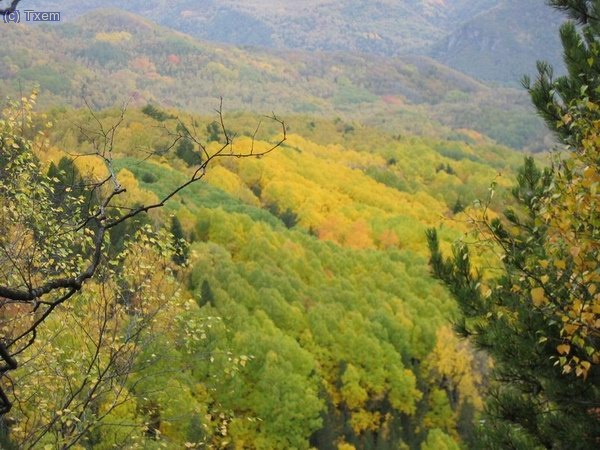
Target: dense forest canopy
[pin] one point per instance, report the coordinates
(181, 270)
(269, 303)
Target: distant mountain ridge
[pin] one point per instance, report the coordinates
(494, 40)
(504, 42)
(110, 55)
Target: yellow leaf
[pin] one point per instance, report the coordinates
(563, 349)
(570, 328)
(586, 365)
(538, 297)
(560, 264)
(545, 278)
(589, 172)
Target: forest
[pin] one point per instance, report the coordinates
(110, 56)
(344, 251)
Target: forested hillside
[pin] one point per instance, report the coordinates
(497, 40)
(110, 56)
(276, 225)
(297, 311)
(384, 27)
(503, 43)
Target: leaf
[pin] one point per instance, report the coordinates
(538, 297)
(570, 328)
(563, 349)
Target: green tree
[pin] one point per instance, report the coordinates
(552, 96)
(187, 152)
(539, 318)
(214, 131)
(206, 294)
(157, 114)
(570, 105)
(179, 243)
(532, 403)
(438, 440)
(458, 206)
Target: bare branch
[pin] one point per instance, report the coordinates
(11, 8)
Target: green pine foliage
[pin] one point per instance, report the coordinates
(188, 153)
(535, 311)
(532, 404)
(554, 96)
(179, 242)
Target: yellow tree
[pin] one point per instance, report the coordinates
(55, 227)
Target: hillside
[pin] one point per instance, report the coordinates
(385, 27)
(488, 39)
(504, 42)
(109, 56)
(277, 225)
(304, 315)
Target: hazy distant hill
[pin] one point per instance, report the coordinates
(504, 42)
(497, 40)
(382, 27)
(109, 56)
(385, 27)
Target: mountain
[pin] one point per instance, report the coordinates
(495, 40)
(282, 301)
(385, 27)
(308, 317)
(504, 42)
(110, 55)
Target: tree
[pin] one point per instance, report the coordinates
(187, 152)
(458, 206)
(84, 370)
(206, 295)
(540, 397)
(49, 250)
(156, 113)
(213, 130)
(540, 317)
(181, 246)
(9, 9)
(438, 440)
(580, 39)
